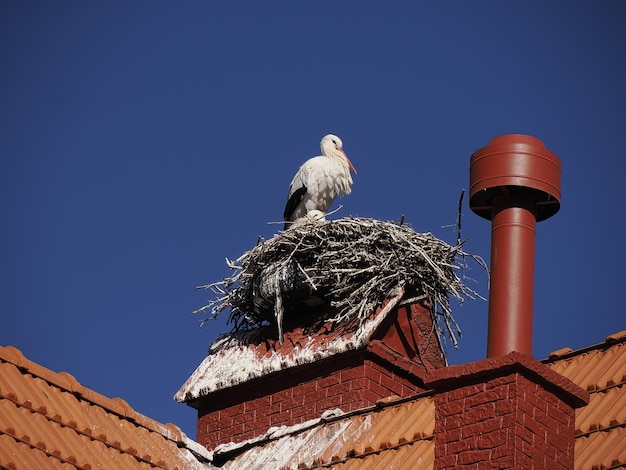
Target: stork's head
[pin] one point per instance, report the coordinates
(332, 147)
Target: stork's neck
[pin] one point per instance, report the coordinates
(335, 154)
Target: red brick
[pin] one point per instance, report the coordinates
(491, 440)
(566, 432)
(201, 432)
(473, 456)
(445, 436)
(272, 409)
(526, 408)
(257, 403)
(465, 392)
(343, 388)
(231, 411)
(358, 384)
(235, 430)
(456, 448)
(355, 398)
(560, 443)
(212, 438)
(452, 408)
(371, 373)
(327, 404)
(390, 384)
(299, 412)
(245, 436)
(309, 406)
(543, 446)
(291, 403)
(261, 422)
(525, 434)
(409, 389)
(284, 394)
(242, 418)
(312, 397)
(505, 380)
(445, 461)
(350, 374)
(556, 465)
(452, 422)
(369, 397)
(210, 418)
(533, 426)
(505, 407)
(502, 457)
(479, 413)
(337, 391)
(533, 453)
(378, 389)
(562, 416)
(329, 381)
(546, 421)
(486, 426)
(486, 397)
(537, 399)
(276, 420)
(303, 389)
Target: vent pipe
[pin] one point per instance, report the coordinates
(514, 182)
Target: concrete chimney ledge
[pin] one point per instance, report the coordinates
(479, 371)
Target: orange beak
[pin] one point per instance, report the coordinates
(349, 163)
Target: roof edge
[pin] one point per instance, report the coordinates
(118, 406)
(567, 352)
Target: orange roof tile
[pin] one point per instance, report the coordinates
(601, 425)
(49, 420)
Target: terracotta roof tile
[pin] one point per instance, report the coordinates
(595, 368)
(416, 456)
(605, 449)
(606, 409)
(49, 420)
(601, 425)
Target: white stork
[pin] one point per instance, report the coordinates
(318, 181)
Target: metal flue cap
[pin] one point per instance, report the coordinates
(515, 164)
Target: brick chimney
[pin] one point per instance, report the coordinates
(250, 382)
(511, 411)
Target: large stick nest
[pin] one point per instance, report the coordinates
(351, 264)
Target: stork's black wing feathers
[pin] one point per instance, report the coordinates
(293, 202)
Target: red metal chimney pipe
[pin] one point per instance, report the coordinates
(514, 182)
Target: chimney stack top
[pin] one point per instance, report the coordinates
(515, 164)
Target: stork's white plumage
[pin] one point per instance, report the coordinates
(319, 181)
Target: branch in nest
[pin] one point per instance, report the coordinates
(352, 264)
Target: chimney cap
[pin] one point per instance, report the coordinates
(515, 164)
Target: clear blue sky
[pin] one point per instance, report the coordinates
(142, 142)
